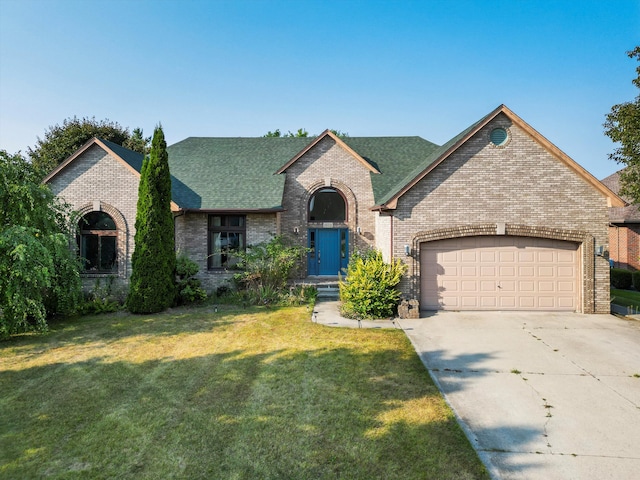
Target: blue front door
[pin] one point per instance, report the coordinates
(329, 250)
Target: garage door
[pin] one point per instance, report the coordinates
(499, 273)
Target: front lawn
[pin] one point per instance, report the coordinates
(626, 298)
(238, 394)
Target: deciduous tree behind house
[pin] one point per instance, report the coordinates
(61, 141)
(623, 127)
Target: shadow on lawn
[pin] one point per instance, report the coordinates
(338, 412)
(120, 325)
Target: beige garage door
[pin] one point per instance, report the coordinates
(499, 273)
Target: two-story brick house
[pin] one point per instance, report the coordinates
(498, 218)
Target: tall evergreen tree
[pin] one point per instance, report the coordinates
(152, 285)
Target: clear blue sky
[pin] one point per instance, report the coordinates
(368, 68)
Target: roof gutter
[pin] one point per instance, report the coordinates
(233, 210)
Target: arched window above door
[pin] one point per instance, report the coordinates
(327, 205)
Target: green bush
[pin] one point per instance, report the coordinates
(636, 280)
(265, 269)
(369, 291)
(301, 295)
(188, 287)
(102, 299)
(621, 278)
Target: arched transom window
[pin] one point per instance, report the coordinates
(98, 242)
(327, 205)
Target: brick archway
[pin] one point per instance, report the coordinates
(121, 226)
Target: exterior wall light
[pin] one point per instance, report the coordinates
(407, 250)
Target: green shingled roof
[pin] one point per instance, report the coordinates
(392, 156)
(239, 173)
(132, 158)
(421, 163)
(231, 173)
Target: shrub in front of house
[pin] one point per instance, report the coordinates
(189, 289)
(621, 278)
(370, 289)
(265, 269)
(635, 277)
(104, 297)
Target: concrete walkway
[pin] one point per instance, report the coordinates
(327, 312)
(539, 395)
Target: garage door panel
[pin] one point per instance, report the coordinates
(527, 302)
(468, 271)
(469, 286)
(507, 286)
(449, 256)
(469, 302)
(487, 256)
(566, 302)
(526, 286)
(566, 287)
(526, 256)
(488, 271)
(566, 271)
(499, 272)
(546, 271)
(546, 302)
(565, 257)
(488, 286)
(507, 302)
(489, 302)
(526, 271)
(469, 256)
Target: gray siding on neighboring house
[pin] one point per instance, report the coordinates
(328, 164)
(520, 185)
(96, 180)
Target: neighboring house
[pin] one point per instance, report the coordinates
(624, 230)
(497, 218)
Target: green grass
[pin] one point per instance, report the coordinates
(625, 298)
(238, 394)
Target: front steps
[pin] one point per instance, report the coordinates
(327, 287)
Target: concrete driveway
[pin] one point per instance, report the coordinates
(540, 395)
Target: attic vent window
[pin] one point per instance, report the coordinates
(499, 137)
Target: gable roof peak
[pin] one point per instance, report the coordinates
(340, 142)
(391, 199)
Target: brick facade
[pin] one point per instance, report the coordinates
(624, 245)
(521, 187)
(329, 165)
(98, 181)
(191, 236)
